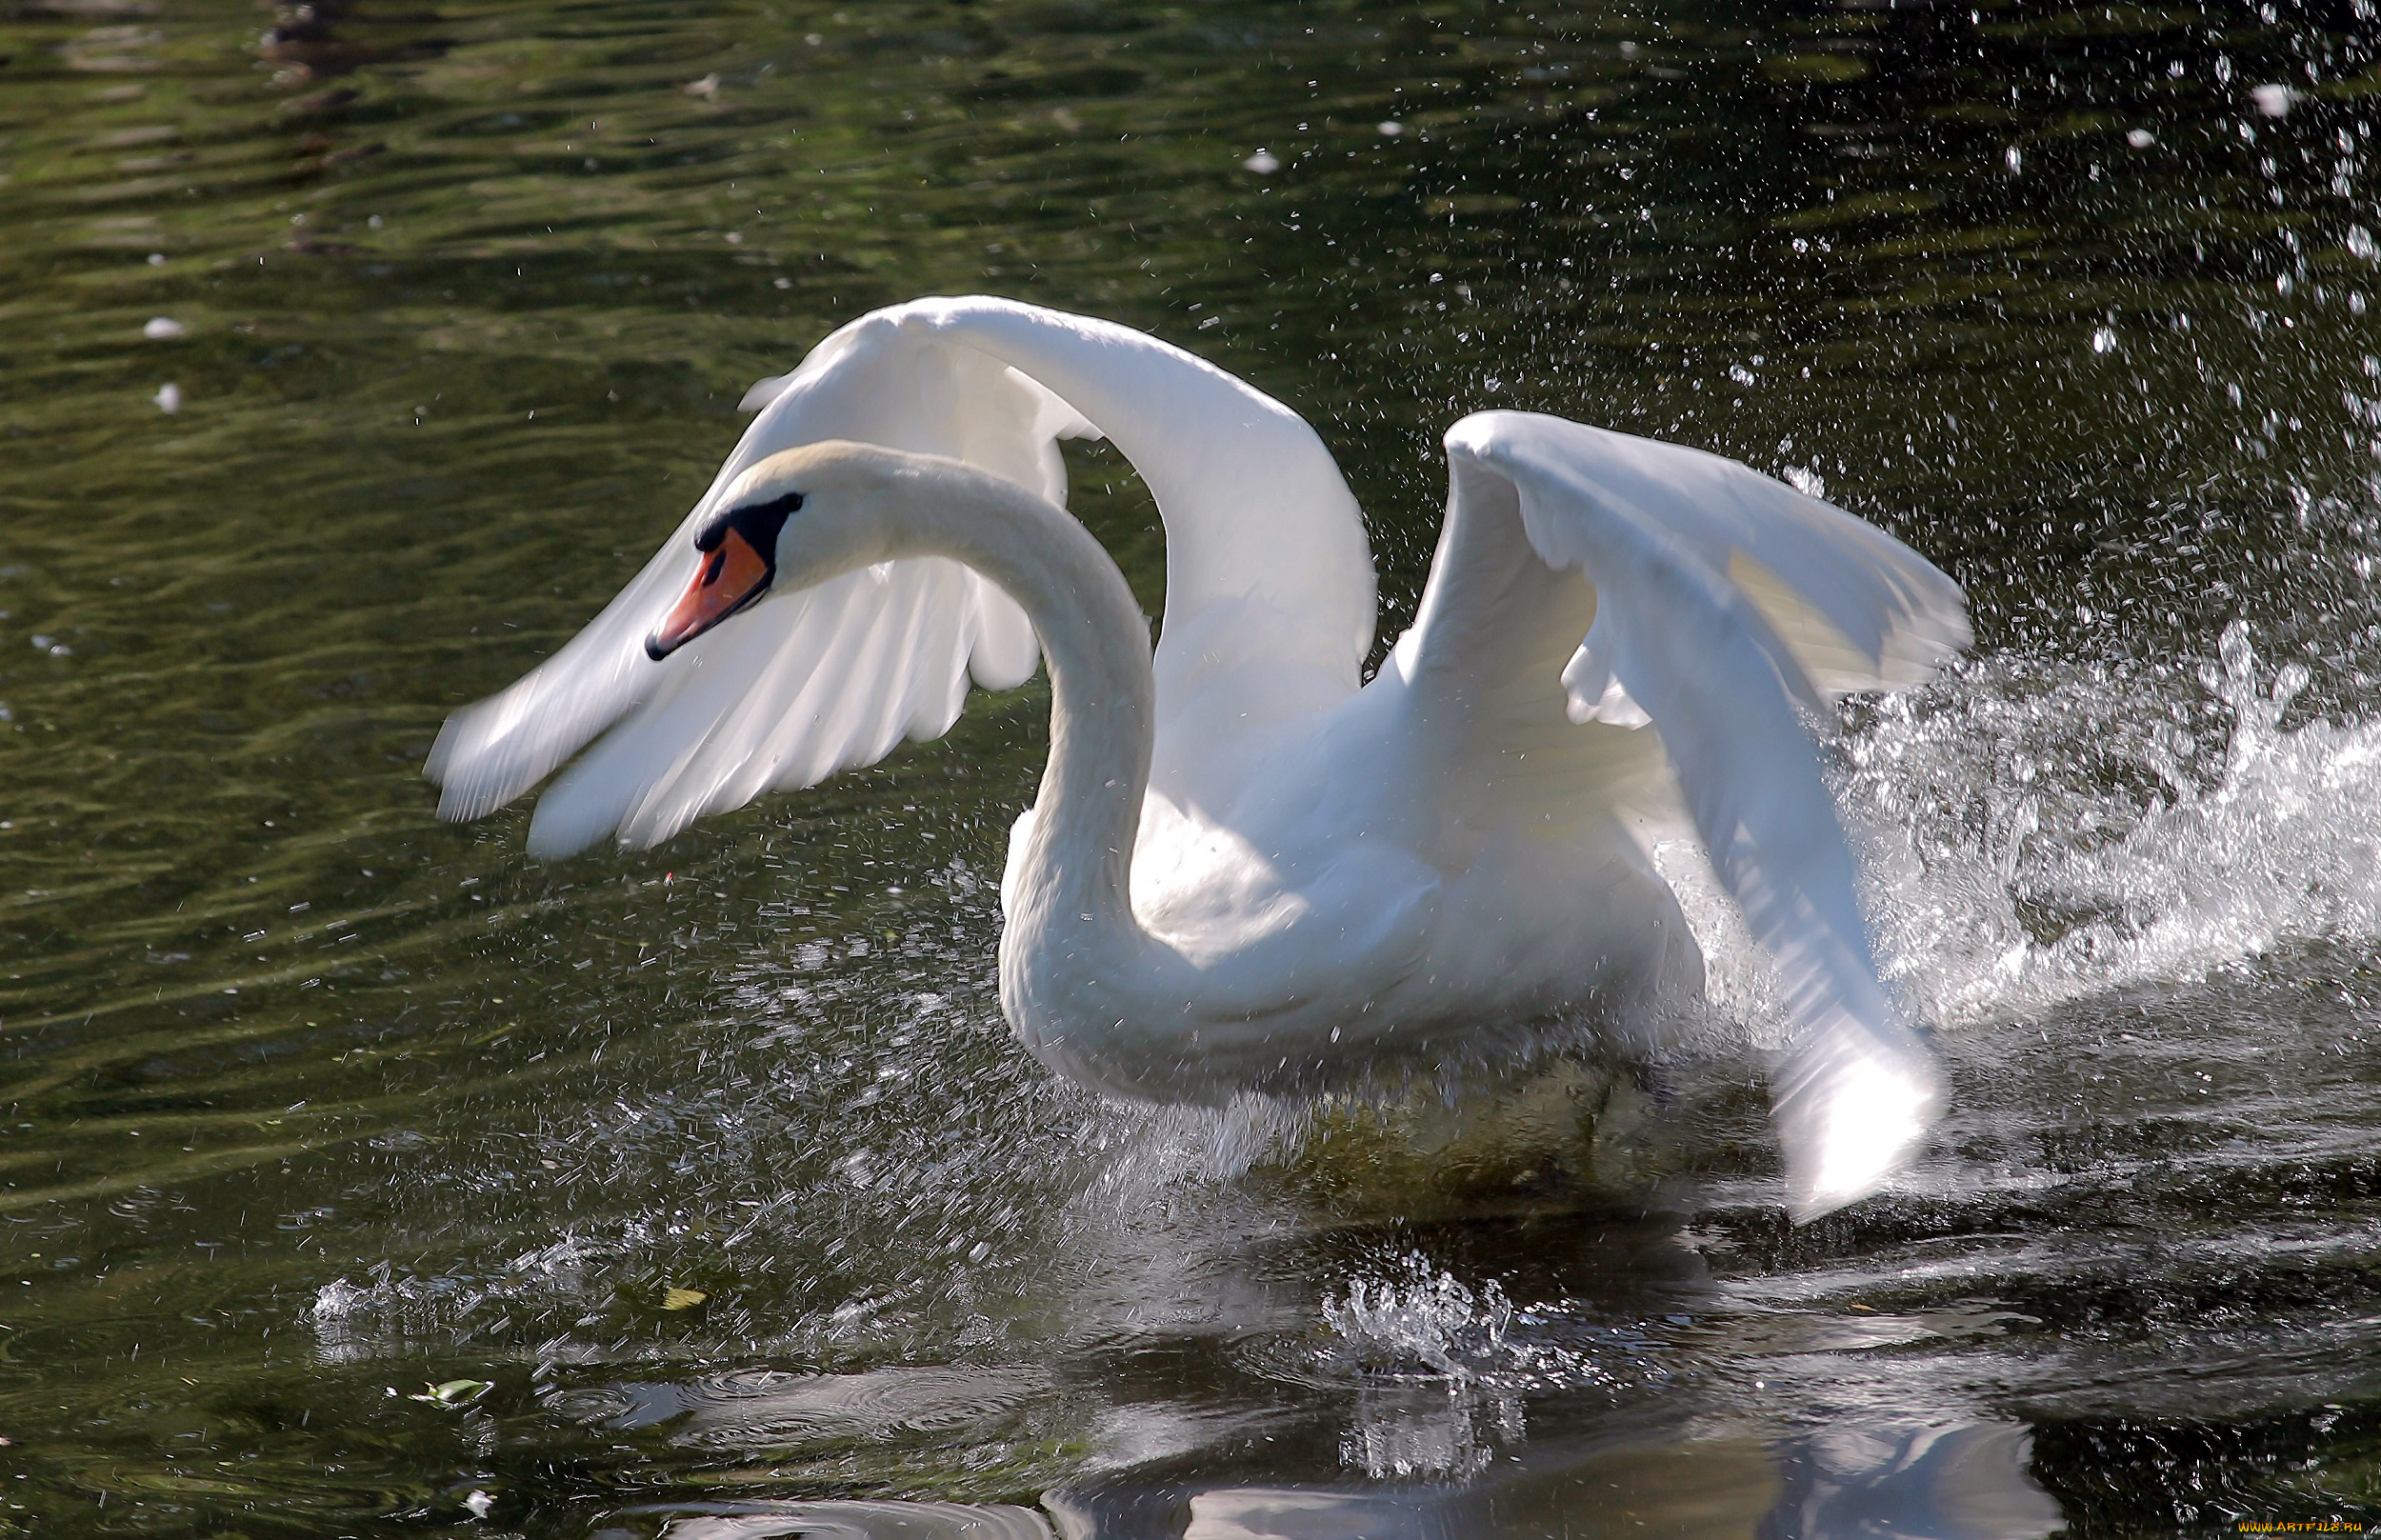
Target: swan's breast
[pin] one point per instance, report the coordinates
(1264, 932)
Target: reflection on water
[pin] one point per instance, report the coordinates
(1964, 1482)
(355, 353)
(1917, 1482)
(748, 1409)
(862, 1520)
(1957, 1482)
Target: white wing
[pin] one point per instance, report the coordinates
(1718, 594)
(804, 684)
(1270, 599)
(1258, 524)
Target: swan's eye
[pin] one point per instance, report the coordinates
(759, 523)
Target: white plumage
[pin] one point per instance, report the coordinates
(1244, 872)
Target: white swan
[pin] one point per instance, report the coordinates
(1242, 870)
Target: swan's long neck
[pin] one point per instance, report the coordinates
(1071, 888)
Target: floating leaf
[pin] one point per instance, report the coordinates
(454, 1392)
(684, 1299)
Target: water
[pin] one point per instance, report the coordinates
(363, 1177)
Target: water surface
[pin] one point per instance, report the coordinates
(361, 1177)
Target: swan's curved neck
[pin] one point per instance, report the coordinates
(1072, 880)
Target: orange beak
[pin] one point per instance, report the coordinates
(732, 575)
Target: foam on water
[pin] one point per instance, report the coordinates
(2061, 897)
(2033, 836)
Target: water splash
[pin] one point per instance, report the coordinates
(1421, 1326)
(1433, 1357)
(2031, 836)
(1150, 1158)
(1415, 1321)
(2038, 842)
(1444, 1370)
(393, 1312)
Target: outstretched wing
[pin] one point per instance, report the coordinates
(806, 683)
(1258, 520)
(1720, 598)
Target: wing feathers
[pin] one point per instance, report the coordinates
(777, 711)
(1658, 529)
(802, 685)
(1857, 607)
(1258, 518)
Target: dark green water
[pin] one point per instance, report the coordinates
(313, 1103)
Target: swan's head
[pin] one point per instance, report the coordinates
(788, 522)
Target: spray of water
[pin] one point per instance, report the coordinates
(1415, 1320)
(2034, 836)
(2041, 843)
